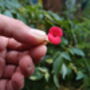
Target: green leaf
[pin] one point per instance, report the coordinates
(73, 67)
(40, 72)
(64, 41)
(21, 18)
(42, 69)
(66, 56)
(49, 61)
(2, 3)
(45, 72)
(37, 75)
(64, 71)
(56, 55)
(76, 51)
(12, 4)
(48, 16)
(47, 76)
(80, 75)
(55, 16)
(8, 13)
(56, 81)
(57, 64)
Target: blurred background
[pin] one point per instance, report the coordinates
(66, 66)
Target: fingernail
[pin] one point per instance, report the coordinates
(41, 35)
(38, 31)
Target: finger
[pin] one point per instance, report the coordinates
(9, 71)
(38, 53)
(12, 57)
(15, 45)
(9, 86)
(11, 43)
(17, 81)
(3, 43)
(3, 53)
(2, 66)
(3, 84)
(18, 30)
(26, 65)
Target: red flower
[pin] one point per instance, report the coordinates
(55, 34)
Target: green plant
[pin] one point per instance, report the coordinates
(65, 65)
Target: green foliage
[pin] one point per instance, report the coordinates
(66, 64)
(86, 11)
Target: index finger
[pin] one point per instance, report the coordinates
(18, 30)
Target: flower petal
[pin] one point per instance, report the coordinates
(56, 31)
(54, 40)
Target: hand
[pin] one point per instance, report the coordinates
(20, 48)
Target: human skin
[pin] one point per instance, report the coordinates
(19, 50)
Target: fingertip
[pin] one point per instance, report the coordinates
(3, 84)
(12, 57)
(9, 71)
(13, 44)
(38, 36)
(9, 85)
(26, 65)
(17, 81)
(38, 52)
